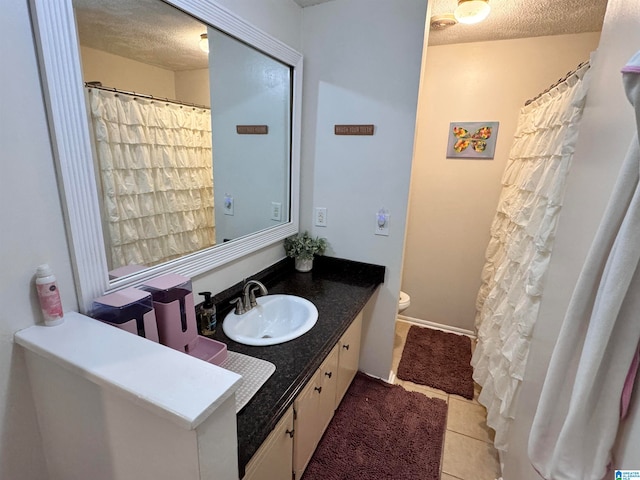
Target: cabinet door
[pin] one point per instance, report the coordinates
(273, 460)
(329, 382)
(307, 423)
(349, 357)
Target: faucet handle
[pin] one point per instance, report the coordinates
(252, 296)
(239, 310)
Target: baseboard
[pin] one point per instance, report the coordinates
(386, 380)
(437, 326)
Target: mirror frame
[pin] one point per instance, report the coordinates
(61, 72)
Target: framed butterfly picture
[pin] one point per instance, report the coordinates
(472, 139)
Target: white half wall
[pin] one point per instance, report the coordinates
(362, 66)
(453, 201)
(608, 125)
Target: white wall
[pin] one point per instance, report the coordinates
(32, 219)
(607, 127)
(126, 74)
(362, 66)
(453, 201)
(281, 19)
(32, 233)
(192, 86)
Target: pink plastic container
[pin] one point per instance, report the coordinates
(129, 309)
(176, 318)
(208, 350)
(175, 310)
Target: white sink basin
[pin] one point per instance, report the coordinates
(276, 319)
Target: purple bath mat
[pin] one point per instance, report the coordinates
(439, 360)
(381, 431)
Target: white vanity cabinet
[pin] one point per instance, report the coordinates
(316, 403)
(273, 460)
(310, 414)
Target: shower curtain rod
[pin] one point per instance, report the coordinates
(563, 79)
(99, 86)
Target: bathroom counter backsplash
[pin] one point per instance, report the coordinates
(339, 289)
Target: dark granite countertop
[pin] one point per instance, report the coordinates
(339, 289)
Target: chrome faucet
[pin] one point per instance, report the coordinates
(249, 293)
(248, 299)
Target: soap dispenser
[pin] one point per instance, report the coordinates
(206, 314)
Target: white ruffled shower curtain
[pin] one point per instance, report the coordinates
(519, 250)
(156, 172)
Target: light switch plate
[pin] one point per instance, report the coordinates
(276, 211)
(227, 207)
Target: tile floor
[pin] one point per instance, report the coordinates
(468, 452)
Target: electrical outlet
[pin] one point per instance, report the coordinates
(227, 207)
(320, 217)
(382, 223)
(276, 211)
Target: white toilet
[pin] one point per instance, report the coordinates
(403, 302)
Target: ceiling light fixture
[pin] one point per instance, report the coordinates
(204, 43)
(472, 11)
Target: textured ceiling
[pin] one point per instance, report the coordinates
(511, 19)
(515, 19)
(149, 31)
(153, 32)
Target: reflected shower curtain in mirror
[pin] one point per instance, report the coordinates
(519, 250)
(155, 170)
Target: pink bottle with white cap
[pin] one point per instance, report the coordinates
(49, 296)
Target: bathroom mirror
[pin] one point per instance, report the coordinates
(246, 187)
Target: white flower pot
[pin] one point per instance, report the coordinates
(304, 264)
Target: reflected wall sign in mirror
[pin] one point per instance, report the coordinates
(177, 136)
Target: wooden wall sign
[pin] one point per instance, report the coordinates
(252, 129)
(353, 129)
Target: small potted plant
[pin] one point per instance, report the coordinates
(302, 248)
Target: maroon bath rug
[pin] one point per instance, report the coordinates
(381, 431)
(438, 359)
